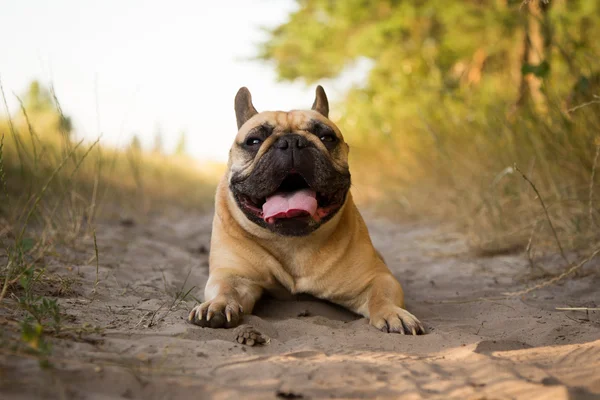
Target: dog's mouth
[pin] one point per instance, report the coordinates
(294, 198)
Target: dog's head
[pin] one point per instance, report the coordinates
(288, 171)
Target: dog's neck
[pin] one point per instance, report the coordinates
(293, 253)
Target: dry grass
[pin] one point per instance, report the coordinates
(52, 191)
(93, 174)
(464, 172)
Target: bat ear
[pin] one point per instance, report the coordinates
(321, 105)
(244, 110)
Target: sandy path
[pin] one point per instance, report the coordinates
(519, 348)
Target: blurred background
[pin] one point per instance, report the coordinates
(464, 111)
(146, 68)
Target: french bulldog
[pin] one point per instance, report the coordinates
(285, 221)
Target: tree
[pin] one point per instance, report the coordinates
(455, 57)
(158, 146)
(135, 143)
(37, 99)
(180, 149)
(47, 117)
(537, 46)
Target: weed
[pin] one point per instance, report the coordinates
(181, 295)
(573, 268)
(3, 185)
(45, 311)
(541, 199)
(51, 190)
(32, 335)
(17, 142)
(97, 265)
(34, 138)
(592, 178)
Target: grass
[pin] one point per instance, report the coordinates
(180, 296)
(97, 281)
(463, 171)
(52, 191)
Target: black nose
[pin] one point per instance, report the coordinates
(290, 141)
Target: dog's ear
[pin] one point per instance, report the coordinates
(321, 105)
(244, 110)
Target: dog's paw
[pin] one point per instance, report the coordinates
(394, 319)
(247, 335)
(217, 313)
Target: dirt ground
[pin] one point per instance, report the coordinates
(500, 349)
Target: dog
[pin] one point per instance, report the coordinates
(285, 220)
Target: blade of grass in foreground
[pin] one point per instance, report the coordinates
(8, 278)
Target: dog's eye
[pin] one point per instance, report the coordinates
(253, 141)
(327, 138)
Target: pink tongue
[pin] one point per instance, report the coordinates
(290, 205)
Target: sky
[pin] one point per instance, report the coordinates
(124, 67)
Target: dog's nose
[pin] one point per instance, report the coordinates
(283, 143)
(301, 142)
(289, 141)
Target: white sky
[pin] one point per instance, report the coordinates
(147, 64)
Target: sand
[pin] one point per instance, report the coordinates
(520, 348)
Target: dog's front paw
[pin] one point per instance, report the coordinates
(394, 319)
(217, 313)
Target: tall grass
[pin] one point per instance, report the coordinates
(463, 170)
(53, 189)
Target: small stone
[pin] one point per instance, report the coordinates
(127, 221)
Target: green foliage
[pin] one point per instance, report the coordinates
(541, 70)
(43, 310)
(51, 191)
(27, 244)
(456, 92)
(32, 334)
(460, 56)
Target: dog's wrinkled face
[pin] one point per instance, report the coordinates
(288, 171)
